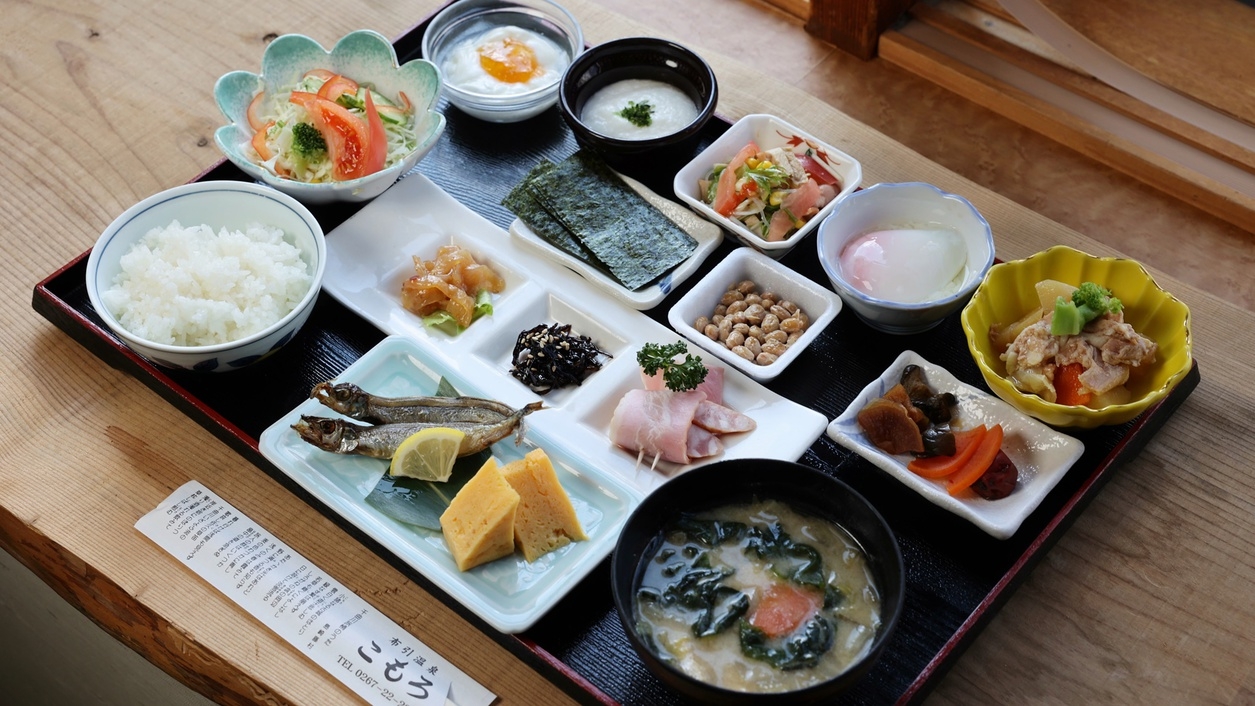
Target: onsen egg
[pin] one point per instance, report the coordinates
(504, 61)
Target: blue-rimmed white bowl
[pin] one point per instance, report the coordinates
(907, 205)
(233, 205)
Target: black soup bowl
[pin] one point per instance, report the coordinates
(808, 492)
(647, 58)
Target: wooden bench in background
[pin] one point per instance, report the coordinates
(1203, 50)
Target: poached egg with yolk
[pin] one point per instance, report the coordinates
(504, 61)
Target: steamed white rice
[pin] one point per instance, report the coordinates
(193, 287)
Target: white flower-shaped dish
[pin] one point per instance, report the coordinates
(1041, 454)
(819, 303)
(768, 132)
(364, 56)
(707, 234)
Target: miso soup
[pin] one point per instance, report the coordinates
(758, 598)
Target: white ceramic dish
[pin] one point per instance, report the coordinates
(707, 234)
(219, 204)
(905, 205)
(370, 255)
(510, 594)
(767, 131)
(819, 303)
(1041, 454)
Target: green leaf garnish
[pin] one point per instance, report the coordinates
(679, 377)
(639, 114)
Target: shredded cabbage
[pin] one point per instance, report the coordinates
(285, 162)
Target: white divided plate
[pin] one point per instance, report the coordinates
(707, 234)
(510, 594)
(819, 303)
(1041, 454)
(370, 255)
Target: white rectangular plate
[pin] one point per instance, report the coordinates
(510, 594)
(1041, 454)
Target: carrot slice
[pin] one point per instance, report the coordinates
(965, 444)
(982, 459)
(336, 86)
(259, 142)
(254, 111)
(1069, 389)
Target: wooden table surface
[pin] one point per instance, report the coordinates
(1147, 598)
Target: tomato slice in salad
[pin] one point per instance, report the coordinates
(726, 195)
(377, 149)
(348, 137)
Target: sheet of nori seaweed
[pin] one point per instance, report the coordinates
(635, 241)
(524, 205)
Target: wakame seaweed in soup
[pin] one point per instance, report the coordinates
(758, 598)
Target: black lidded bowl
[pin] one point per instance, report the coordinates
(648, 58)
(809, 492)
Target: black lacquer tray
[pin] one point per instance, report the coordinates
(957, 576)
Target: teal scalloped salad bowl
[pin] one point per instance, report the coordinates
(365, 56)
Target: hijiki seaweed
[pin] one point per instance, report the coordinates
(549, 357)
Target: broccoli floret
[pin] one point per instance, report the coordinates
(1094, 301)
(307, 141)
(1089, 301)
(1068, 320)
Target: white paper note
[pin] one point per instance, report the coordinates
(334, 627)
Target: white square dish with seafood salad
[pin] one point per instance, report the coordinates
(767, 182)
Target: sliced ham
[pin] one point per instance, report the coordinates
(703, 444)
(656, 423)
(721, 420)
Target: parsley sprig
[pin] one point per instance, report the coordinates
(679, 377)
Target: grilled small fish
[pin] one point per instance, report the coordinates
(350, 400)
(382, 440)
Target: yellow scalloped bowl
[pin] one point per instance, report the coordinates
(1007, 293)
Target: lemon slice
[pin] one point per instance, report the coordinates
(428, 454)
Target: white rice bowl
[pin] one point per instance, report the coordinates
(208, 276)
(190, 286)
